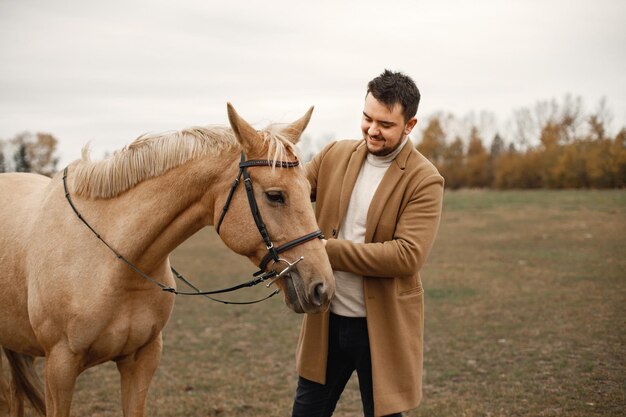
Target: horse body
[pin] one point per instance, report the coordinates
(67, 276)
(22, 194)
(71, 300)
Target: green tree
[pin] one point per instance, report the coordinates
(20, 158)
(2, 163)
(35, 153)
(496, 149)
(618, 159)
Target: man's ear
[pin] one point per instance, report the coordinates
(408, 127)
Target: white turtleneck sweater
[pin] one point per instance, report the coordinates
(349, 300)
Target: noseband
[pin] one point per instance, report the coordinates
(272, 251)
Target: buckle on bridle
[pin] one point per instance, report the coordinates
(285, 271)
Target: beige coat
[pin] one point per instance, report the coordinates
(402, 222)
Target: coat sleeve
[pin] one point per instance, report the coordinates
(413, 238)
(312, 168)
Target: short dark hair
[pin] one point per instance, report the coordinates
(395, 87)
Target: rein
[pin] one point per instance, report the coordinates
(272, 255)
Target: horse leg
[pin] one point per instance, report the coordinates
(62, 369)
(136, 371)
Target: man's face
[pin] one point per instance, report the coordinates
(384, 129)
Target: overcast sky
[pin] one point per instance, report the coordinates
(108, 71)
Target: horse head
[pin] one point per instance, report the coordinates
(279, 198)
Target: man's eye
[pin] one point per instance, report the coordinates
(275, 197)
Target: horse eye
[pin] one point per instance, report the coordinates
(275, 197)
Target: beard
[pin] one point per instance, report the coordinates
(385, 149)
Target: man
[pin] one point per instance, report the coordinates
(378, 200)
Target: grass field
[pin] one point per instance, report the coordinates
(525, 316)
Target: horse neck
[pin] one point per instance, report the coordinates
(149, 221)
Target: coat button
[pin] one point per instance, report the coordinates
(334, 232)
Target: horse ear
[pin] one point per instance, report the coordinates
(247, 136)
(295, 129)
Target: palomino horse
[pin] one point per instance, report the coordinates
(66, 296)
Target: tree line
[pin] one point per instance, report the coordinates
(28, 152)
(554, 145)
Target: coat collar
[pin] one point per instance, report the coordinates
(384, 190)
(352, 172)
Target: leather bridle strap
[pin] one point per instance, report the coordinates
(272, 252)
(243, 164)
(256, 215)
(267, 258)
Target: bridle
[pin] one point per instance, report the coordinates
(272, 252)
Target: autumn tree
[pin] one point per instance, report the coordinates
(569, 168)
(477, 162)
(41, 154)
(453, 166)
(555, 145)
(433, 141)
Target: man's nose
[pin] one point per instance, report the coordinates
(373, 130)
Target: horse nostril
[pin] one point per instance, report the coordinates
(319, 295)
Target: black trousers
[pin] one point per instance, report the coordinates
(348, 350)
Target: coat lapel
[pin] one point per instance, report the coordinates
(349, 179)
(385, 188)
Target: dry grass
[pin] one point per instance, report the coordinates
(525, 316)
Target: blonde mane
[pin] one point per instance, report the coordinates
(152, 155)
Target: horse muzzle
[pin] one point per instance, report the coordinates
(301, 296)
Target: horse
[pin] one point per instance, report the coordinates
(75, 289)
